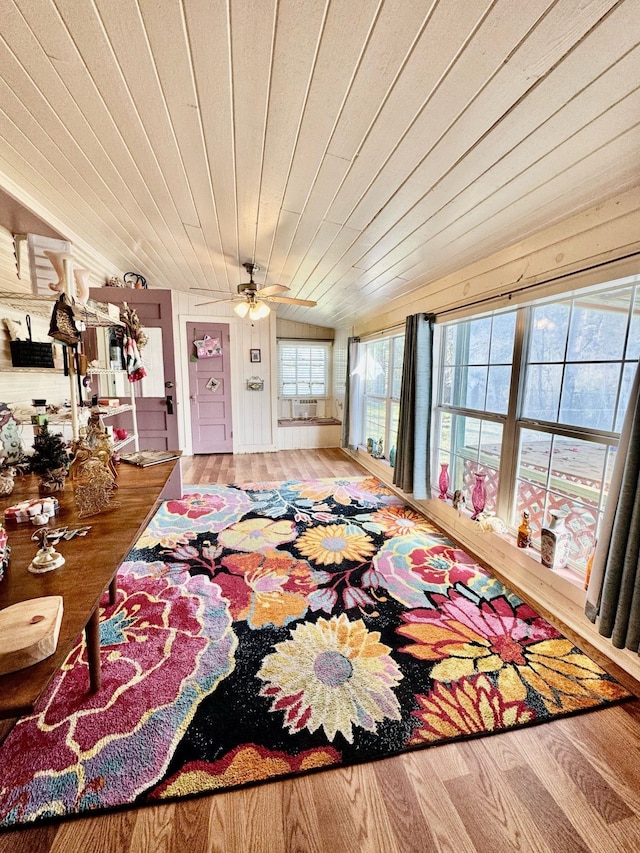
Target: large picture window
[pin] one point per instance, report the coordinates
(534, 398)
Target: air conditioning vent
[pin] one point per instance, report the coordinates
(305, 408)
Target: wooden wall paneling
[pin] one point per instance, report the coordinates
(458, 237)
(294, 54)
(144, 103)
(68, 128)
(602, 233)
(125, 113)
(309, 244)
(445, 35)
(403, 203)
(458, 115)
(171, 51)
(252, 29)
(523, 132)
(397, 29)
(345, 28)
(209, 43)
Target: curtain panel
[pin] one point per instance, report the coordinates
(614, 587)
(351, 415)
(412, 471)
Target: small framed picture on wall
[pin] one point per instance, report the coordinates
(254, 356)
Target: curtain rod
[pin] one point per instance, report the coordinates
(509, 293)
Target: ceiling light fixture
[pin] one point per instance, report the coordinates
(241, 309)
(259, 310)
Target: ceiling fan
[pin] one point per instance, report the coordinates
(252, 300)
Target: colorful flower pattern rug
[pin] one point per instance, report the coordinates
(268, 629)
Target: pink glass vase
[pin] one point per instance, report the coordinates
(443, 481)
(478, 496)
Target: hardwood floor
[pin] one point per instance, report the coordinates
(567, 786)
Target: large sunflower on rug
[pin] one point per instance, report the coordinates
(267, 629)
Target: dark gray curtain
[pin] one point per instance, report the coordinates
(412, 471)
(614, 587)
(350, 431)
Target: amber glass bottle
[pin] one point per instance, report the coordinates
(524, 531)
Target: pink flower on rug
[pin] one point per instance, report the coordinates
(332, 674)
(195, 505)
(266, 587)
(177, 522)
(466, 707)
(414, 564)
(522, 649)
(156, 670)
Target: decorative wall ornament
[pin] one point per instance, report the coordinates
(94, 489)
(208, 347)
(254, 383)
(213, 384)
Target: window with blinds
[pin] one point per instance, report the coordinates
(303, 368)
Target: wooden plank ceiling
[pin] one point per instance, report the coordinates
(354, 149)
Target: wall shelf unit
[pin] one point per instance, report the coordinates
(112, 411)
(93, 315)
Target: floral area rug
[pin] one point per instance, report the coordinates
(269, 629)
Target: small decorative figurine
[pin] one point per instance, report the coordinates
(459, 500)
(378, 449)
(47, 559)
(524, 531)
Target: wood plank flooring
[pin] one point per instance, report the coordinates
(570, 786)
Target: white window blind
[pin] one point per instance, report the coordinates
(303, 368)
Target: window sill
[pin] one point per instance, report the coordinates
(289, 422)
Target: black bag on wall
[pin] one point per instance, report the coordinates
(31, 353)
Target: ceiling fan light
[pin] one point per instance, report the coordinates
(241, 309)
(258, 311)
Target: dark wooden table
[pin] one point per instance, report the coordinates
(91, 565)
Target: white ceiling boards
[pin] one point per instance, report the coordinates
(353, 149)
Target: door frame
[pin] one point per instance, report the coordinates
(182, 367)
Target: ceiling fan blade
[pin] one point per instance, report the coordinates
(210, 292)
(214, 301)
(272, 290)
(290, 300)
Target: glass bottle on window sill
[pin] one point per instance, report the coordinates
(524, 531)
(478, 496)
(555, 540)
(443, 481)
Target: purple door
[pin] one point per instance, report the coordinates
(156, 396)
(210, 390)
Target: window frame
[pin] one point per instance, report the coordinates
(515, 424)
(326, 347)
(388, 397)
